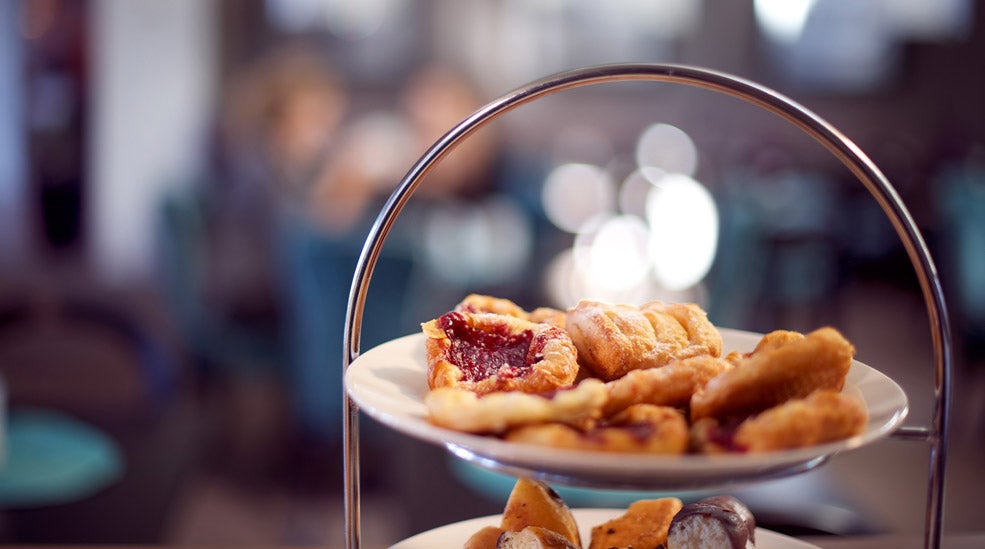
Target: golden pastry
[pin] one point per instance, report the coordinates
(532, 503)
(824, 416)
(670, 385)
(478, 303)
(644, 524)
(775, 374)
(467, 411)
(615, 339)
(487, 352)
(702, 336)
(641, 428)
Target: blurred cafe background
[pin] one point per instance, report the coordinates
(185, 186)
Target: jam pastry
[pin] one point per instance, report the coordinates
(785, 367)
(478, 303)
(488, 352)
(641, 428)
(644, 524)
(467, 411)
(615, 339)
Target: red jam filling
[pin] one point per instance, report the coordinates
(492, 351)
(723, 436)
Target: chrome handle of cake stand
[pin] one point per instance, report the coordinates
(833, 140)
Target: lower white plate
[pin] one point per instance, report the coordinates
(455, 535)
(388, 383)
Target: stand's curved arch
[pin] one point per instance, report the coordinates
(822, 132)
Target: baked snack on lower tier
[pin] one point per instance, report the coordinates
(615, 339)
(533, 537)
(487, 352)
(535, 517)
(721, 522)
(533, 503)
(644, 524)
(787, 367)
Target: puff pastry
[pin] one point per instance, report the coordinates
(615, 339)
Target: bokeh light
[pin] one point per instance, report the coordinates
(683, 219)
(478, 245)
(612, 254)
(667, 148)
(635, 188)
(575, 193)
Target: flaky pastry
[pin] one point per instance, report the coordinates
(641, 428)
(615, 339)
(467, 411)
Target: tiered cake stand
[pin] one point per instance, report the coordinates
(394, 405)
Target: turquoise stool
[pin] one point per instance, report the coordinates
(51, 459)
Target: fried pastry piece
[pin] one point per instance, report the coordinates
(670, 385)
(644, 524)
(614, 339)
(533, 503)
(824, 416)
(487, 352)
(467, 411)
(773, 375)
(776, 339)
(641, 429)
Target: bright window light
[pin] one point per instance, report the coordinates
(783, 20)
(683, 220)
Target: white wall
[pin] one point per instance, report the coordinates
(152, 90)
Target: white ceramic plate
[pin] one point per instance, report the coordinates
(388, 383)
(455, 535)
